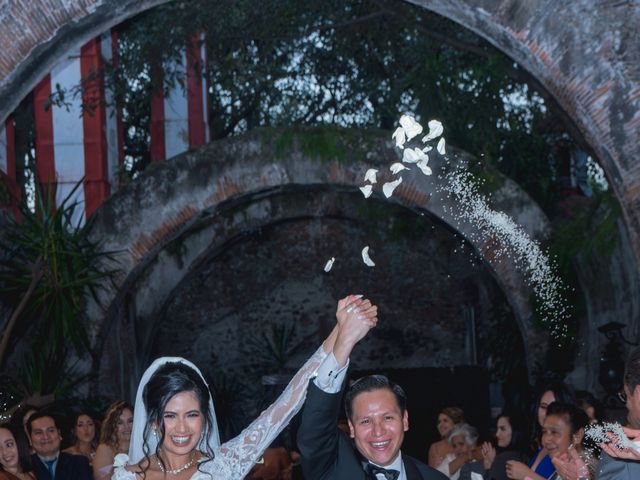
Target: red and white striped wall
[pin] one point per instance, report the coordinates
(72, 144)
(179, 119)
(8, 161)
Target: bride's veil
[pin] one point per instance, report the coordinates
(140, 417)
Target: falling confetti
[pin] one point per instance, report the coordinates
(399, 136)
(370, 176)
(410, 126)
(435, 130)
(389, 187)
(424, 168)
(366, 258)
(397, 168)
(329, 265)
(413, 155)
(610, 432)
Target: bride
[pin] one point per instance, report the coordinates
(175, 434)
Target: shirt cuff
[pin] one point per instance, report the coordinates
(330, 376)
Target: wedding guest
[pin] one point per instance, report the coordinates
(83, 435)
(20, 418)
(511, 444)
(624, 463)
(563, 428)
(591, 406)
(463, 439)
(553, 392)
(114, 438)
(15, 460)
(448, 418)
(49, 463)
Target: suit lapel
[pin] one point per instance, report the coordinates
(60, 466)
(410, 469)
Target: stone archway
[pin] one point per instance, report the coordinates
(164, 222)
(602, 96)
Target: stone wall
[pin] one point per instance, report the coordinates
(167, 222)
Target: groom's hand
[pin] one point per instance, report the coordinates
(356, 316)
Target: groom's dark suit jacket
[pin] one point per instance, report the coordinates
(69, 467)
(327, 453)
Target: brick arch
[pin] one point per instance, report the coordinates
(164, 222)
(584, 54)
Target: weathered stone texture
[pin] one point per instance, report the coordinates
(166, 222)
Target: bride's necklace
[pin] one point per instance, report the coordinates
(178, 470)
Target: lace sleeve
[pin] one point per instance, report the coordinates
(242, 452)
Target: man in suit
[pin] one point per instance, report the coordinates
(49, 463)
(615, 463)
(377, 419)
(623, 464)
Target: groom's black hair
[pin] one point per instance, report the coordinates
(371, 383)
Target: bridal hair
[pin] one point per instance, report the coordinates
(169, 380)
(109, 433)
(372, 383)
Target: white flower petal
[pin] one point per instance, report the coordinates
(399, 136)
(370, 176)
(389, 187)
(366, 190)
(427, 149)
(424, 167)
(410, 126)
(413, 155)
(435, 130)
(329, 265)
(397, 167)
(440, 146)
(120, 460)
(366, 258)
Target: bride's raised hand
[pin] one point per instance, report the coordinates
(346, 306)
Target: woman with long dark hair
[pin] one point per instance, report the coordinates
(175, 433)
(15, 461)
(83, 435)
(511, 444)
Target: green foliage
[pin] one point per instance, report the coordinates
(50, 244)
(591, 230)
(272, 348)
(353, 64)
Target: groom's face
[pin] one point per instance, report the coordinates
(377, 425)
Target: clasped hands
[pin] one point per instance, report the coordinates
(356, 316)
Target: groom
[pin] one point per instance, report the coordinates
(377, 416)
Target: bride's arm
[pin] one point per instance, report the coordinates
(355, 316)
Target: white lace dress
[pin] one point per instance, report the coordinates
(234, 459)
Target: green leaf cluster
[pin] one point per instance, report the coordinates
(50, 246)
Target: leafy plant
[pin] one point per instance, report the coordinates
(273, 347)
(47, 266)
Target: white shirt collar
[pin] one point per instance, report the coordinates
(397, 464)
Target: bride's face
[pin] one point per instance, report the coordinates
(183, 420)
